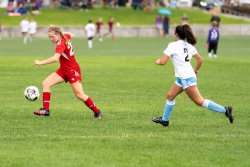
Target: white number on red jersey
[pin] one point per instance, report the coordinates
(71, 52)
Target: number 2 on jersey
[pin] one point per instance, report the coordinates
(71, 53)
(186, 58)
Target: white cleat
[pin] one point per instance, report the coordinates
(209, 55)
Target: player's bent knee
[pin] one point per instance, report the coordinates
(170, 96)
(80, 96)
(45, 84)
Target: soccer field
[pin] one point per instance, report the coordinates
(130, 89)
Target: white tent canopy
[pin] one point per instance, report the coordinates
(3, 3)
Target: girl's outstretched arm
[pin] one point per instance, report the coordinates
(165, 58)
(50, 60)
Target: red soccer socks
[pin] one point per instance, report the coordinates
(89, 102)
(46, 100)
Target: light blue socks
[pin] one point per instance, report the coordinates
(213, 106)
(168, 110)
(206, 104)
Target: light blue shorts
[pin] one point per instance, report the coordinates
(185, 83)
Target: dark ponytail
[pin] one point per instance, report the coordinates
(185, 32)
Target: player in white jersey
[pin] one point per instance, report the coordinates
(32, 29)
(90, 33)
(24, 25)
(180, 52)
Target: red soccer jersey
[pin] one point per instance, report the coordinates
(110, 23)
(98, 25)
(67, 58)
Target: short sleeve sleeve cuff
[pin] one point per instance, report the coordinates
(194, 51)
(167, 51)
(67, 35)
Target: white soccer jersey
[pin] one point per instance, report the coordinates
(32, 27)
(90, 30)
(181, 53)
(24, 25)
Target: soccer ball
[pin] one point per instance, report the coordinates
(31, 93)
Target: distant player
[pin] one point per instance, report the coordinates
(90, 33)
(32, 29)
(213, 40)
(181, 52)
(159, 24)
(24, 29)
(69, 71)
(99, 24)
(110, 28)
(184, 19)
(216, 18)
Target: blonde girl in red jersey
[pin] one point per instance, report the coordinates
(69, 71)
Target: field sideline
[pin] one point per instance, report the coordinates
(130, 89)
(133, 17)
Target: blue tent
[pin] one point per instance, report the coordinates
(164, 11)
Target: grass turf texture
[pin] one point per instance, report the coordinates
(126, 16)
(125, 83)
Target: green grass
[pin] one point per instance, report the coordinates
(126, 16)
(125, 83)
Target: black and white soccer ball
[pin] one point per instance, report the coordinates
(31, 93)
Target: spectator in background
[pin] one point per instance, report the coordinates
(55, 4)
(158, 24)
(10, 7)
(166, 25)
(39, 3)
(20, 10)
(216, 18)
(24, 7)
(114, 4)
(99, 24)
(28, 6)
(32, 29)
(75, 4)
(137, 4)
(109, 3)
(18, 2)
(90, 33)
(24, 25)
(213, 40)
(87, 4)
(35, 8)
(110, 28)
(184, 19)
(65, 4)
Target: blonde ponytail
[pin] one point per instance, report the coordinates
(57, 30)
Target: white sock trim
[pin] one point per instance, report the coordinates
(90, 44)
(205, 103)
(170, 102)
